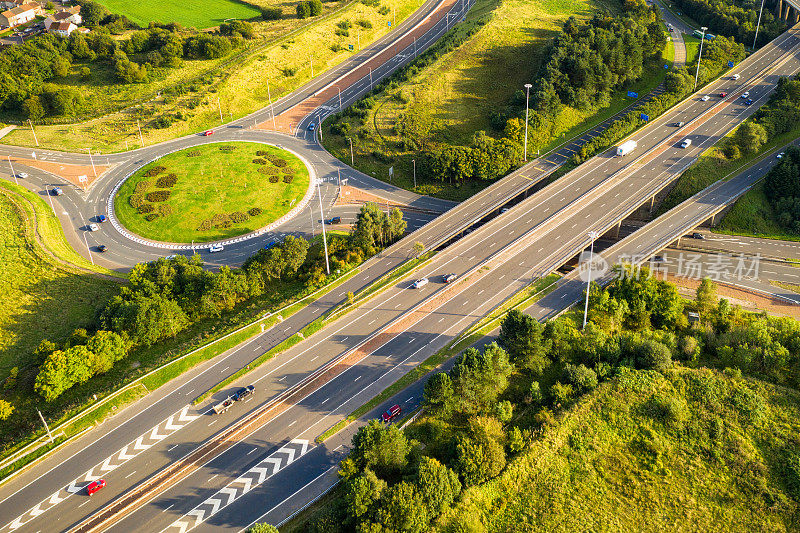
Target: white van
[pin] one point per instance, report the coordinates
(686, 143)
(420, 283)
(736, 76)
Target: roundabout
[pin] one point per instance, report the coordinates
(212, 192)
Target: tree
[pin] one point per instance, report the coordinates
(402, 509)
(438, 394)
(293, 251)
(108, 347)
(521, 336)
(384, 449)
(5, 409)
(750, 136)
(653, 355)
(361, 494)
(437, 485)
(479, 378)
(582, 378)
(33, 108)
(315, 6)
(61, 67)
(706, 297)
(397, 226)
(262, 528)
(303, 10)
(418, 248)
(478, 461)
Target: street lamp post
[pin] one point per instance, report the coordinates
(352, 162)
(37, 140)
(527, 94)
(271, 108)
(87, 248)
(755, 38)
(324, 238)
(340, 98)
(414, 161)
(699, 56)
(94, 171)
(593, 236)
(12, 170)
(370, 79)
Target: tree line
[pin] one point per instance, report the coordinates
(734, 19)
(166, 297)
(494, 401)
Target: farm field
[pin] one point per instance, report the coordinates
(211, 192)
(189, 14)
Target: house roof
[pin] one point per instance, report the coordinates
(61, 26)
(15, 11)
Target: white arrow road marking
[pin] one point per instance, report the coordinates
(128, 452)
(250, 479)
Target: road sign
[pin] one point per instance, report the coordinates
(389, 23)
(350, 47)
(644, 117)
(82, 179)
(632, 94)
(666, 66)
(730, 64)
(391, 171)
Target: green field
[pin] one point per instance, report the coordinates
(715, 459)
(40, 299)
(218, 185)
(189, 14)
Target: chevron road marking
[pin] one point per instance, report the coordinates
(237, 488)
(111, 463)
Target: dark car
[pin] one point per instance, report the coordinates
(698, 236)
(243, 393)
(334, 220)
(102, 248)
(57, 191)
(312, 126)
(748, 102)
(391, 413)
(101, 218)
(94, 486)
(449, 278)
(271, 244)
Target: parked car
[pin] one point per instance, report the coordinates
(334, 220)
(698, 236)
(449, 278)
(101, 218)
(391, 413)
(723, 94)
(419, 283)
(745, 94)
(216, 248)
(705, 98)
(93, 227)
(57, 191)
(243, 393)
(207, 133)
(94, 486)
(102, 248)
(686, 143)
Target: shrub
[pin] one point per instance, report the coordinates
(142, 186)
(146, 208)
(289, 72)
(262, 153)
(238, 217)
(271, 13)
(221, 220)
(278, 162)
(162, 122)
(273, 179)
(157, 196)
(336, 47)
(193, 153)
(383, 10)
(154, 171)
(227, 148)
(255, 211)
(151, 217)
(136, 200)
(164, 210)
(259, 161)
(205, 225)
(288, 178)
(167, 181)
(364, 23)
(268, 170)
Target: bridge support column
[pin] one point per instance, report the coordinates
(652, 203)
(796, 16)
(779, 8)
(713, 217)
(786, 12)
(616, 229)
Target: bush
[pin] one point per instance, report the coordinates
(278, 162)
(271, 13)
(289, 72)
(364, 23)
(383, 10)
(205, 225)
(157, 196)
(164, 210)
(238, 217)
(273, 179)
(142, 187)
(268, 170)
(151, 217)
(259, 161)
(146, 208)
(154, 171)
(227, 148)
(136, 200)
(288, 178)
(255, 211)
(162, 122)
(193, 153)
(167, 181)
(262, 153)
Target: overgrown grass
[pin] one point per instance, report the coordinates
(714, 459)
(215, 179)
(753, 215)
(213, 12)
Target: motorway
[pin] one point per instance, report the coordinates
(544, 219)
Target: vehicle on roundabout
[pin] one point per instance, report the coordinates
(56, 191)
(214, 248)
(93, 227)
(207, 133)
(102, 248)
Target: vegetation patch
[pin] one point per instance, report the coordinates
(210, 197)
(214, 12)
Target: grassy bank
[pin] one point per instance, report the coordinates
(213, 13)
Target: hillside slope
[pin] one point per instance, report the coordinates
(693, 451)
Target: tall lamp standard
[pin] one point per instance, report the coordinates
(527, 95)
(324, 239)
(699, 56)
(755, 38)
(592, 235)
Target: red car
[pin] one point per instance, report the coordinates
(723, 95)
(94, 486)
(207, 133)
(392, 413)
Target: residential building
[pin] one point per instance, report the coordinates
(62, 28)
(18, 15)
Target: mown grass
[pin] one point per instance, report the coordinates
(212, 13)
(753, 215)
(236, 85)
(211, 181)
(457, 94)
(714, 459)
(40, 298)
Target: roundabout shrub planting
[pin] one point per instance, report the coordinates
(211, 192)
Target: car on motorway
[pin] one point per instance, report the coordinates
(57, 191)
(745, 94)
(23, 175)
(334, 220)
(102, 248)
(735, 77)
(94, 486)
(686, 143)
(658, 259)
(170, 257)
(723, 94)
(449, 278)
(705, 98)
(243, 393)
(391, 413)
(207, 133)
(93, 227)
(312, 126)
(748, 102)
(101, 218)
(214, 248)
(419, 283)
(780, 155)
(678, 124)
(698, 236)
(503, 210)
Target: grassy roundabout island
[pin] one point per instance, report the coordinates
(211, 192)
